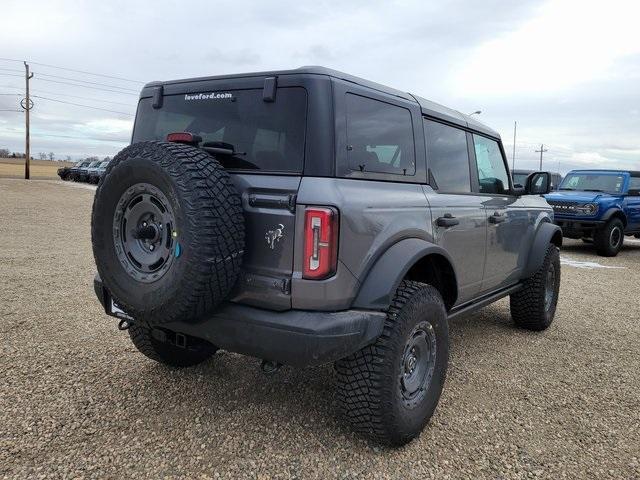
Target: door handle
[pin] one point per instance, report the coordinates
(497, 217)
(447, 221)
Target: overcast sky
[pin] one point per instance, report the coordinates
(567, 71)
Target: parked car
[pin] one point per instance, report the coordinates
(64, 172)
(74, 172)
(96, 174)
(309, 216)
(520, 177)
(85, 172)
(599, 206)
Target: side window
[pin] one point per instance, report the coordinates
(492, 173)
(634, 183)
(379, 137)
(447, 158)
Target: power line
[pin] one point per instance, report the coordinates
(76, 71)
(84, 86)
(11, 70)
(85, 106)
(85, 81)
(76, 96)
(10, 75)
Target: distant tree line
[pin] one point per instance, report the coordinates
(6, 153)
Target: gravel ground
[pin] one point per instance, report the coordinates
(77, 400)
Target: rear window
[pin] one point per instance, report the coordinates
(268, 136)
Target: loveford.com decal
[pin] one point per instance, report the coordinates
(207, 96)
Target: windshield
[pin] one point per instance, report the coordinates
(104, 164)
(265, 135)
(593, 182)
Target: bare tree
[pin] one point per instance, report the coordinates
(4, 152)
(52, 156)
(42, 155)
(68, 158)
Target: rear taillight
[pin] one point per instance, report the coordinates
(320, 243)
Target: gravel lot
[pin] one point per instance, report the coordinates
(76, 399)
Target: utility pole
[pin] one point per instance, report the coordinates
(513, 158)
(541, 151)
(27, 106)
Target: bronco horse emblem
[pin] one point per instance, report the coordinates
(273, 236)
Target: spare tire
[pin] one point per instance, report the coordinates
(167, 230)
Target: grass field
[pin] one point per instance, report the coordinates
(14, 168)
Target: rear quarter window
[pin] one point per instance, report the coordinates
(379, 137)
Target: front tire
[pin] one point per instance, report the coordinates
(534, 306)
(167, 352)
(609, 239)
(390, 389)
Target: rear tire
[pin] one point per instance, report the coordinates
(534, 306)
(167, 353)
(390, 389)
(609, 240)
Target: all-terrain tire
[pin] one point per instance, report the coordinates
(609, 240)
(373, 386)
(200, 249)
(166, 352)
(534, 306)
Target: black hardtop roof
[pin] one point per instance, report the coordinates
(428, 107)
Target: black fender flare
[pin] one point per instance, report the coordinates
(613, 211)
(382, 281)
(547, 233)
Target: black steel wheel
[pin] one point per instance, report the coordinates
(144, 232)
(418, 363)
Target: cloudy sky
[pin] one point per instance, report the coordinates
(567, 71)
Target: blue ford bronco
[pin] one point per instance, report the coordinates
(599, 206)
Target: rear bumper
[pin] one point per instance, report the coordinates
(576, 227)
(295, 337)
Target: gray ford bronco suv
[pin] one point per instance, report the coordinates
(308, 216)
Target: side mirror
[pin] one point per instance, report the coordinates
(634, 192)
(538, 183)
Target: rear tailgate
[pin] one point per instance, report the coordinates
(269, 205)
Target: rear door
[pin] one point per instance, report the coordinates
(268, 138)
(457, 213)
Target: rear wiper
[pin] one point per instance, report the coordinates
(228, 156)
(593, 190)
(566, 188)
